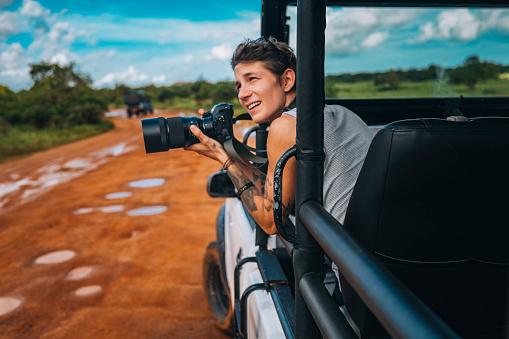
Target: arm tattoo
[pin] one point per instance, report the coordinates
(287, 210)
(268, 206)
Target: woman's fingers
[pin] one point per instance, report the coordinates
(199, 134)
(201, 111)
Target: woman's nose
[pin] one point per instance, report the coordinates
(244, 93)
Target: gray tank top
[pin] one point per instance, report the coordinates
(346, 142)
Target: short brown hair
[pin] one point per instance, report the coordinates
(277, 56)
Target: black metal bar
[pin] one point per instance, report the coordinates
(287, 233)
(417, 3)
(288, 246)
(308, 256)
(243, 306)
(285, 308)
(270, 269)
(401, 313)
(236, 274)
(261, 237)
(330, 320)
(273, 21)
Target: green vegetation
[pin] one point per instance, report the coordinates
(20, 140)
(62, 107)
(473, 78)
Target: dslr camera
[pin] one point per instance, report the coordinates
(161, 134)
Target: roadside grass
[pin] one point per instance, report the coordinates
(18, 141)
(408, 89)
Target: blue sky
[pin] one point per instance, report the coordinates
(163, 42)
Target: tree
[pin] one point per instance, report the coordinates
(390, 79)
(59, 97)
(223, 91)
(473, 71)
(201, 90)
(56, 76)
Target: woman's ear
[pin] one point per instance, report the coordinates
(288, 78)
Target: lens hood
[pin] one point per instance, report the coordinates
(155, 134)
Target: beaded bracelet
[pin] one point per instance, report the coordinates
(227, 163)
(243, 188)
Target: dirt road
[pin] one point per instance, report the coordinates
(90, 248)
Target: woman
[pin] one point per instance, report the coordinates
(265, 72)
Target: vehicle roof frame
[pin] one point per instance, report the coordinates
(310, 135)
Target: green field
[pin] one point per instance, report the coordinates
(426, 89)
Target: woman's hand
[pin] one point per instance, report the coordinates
(208, 147)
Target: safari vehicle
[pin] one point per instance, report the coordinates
(137, 103)
(423, 252)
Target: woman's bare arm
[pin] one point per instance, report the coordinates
(259, 199)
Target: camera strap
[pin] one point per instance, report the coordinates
(241, 152)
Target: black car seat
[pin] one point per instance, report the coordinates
(431, 203)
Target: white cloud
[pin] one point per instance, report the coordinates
(457, 24)
(350, 30)
(33, 9)
(159, 79)
(12, 57)
(221, 52)
(374, 39)
(497, 19)
(14, 71)
(131, 75)
(60, 58)
(8, 24)
(61, 31)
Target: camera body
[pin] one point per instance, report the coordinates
(161, 134)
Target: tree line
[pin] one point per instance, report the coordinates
(62, 97)
(470, 73)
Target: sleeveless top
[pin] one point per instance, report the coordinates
(346, 142)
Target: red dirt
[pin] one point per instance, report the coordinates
(149, 268)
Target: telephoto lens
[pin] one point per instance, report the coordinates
(161, 134)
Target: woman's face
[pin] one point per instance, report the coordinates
(259, 91)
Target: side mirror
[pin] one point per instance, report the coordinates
(220, 186)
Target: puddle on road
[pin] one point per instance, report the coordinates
(145, 183)
(88, 290)
(55, 257)
(111, 209)
(104, 209)
(57, 172)
(84, 210)
(79, 273)
(77, 163)
(8, 304)
(151, 210)
(118, 195)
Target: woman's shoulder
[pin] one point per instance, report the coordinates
(283, 130)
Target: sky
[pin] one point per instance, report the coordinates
(163, 42)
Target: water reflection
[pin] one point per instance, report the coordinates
(118, 195)
(148, 210)
(145, 183)
(55, 257)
